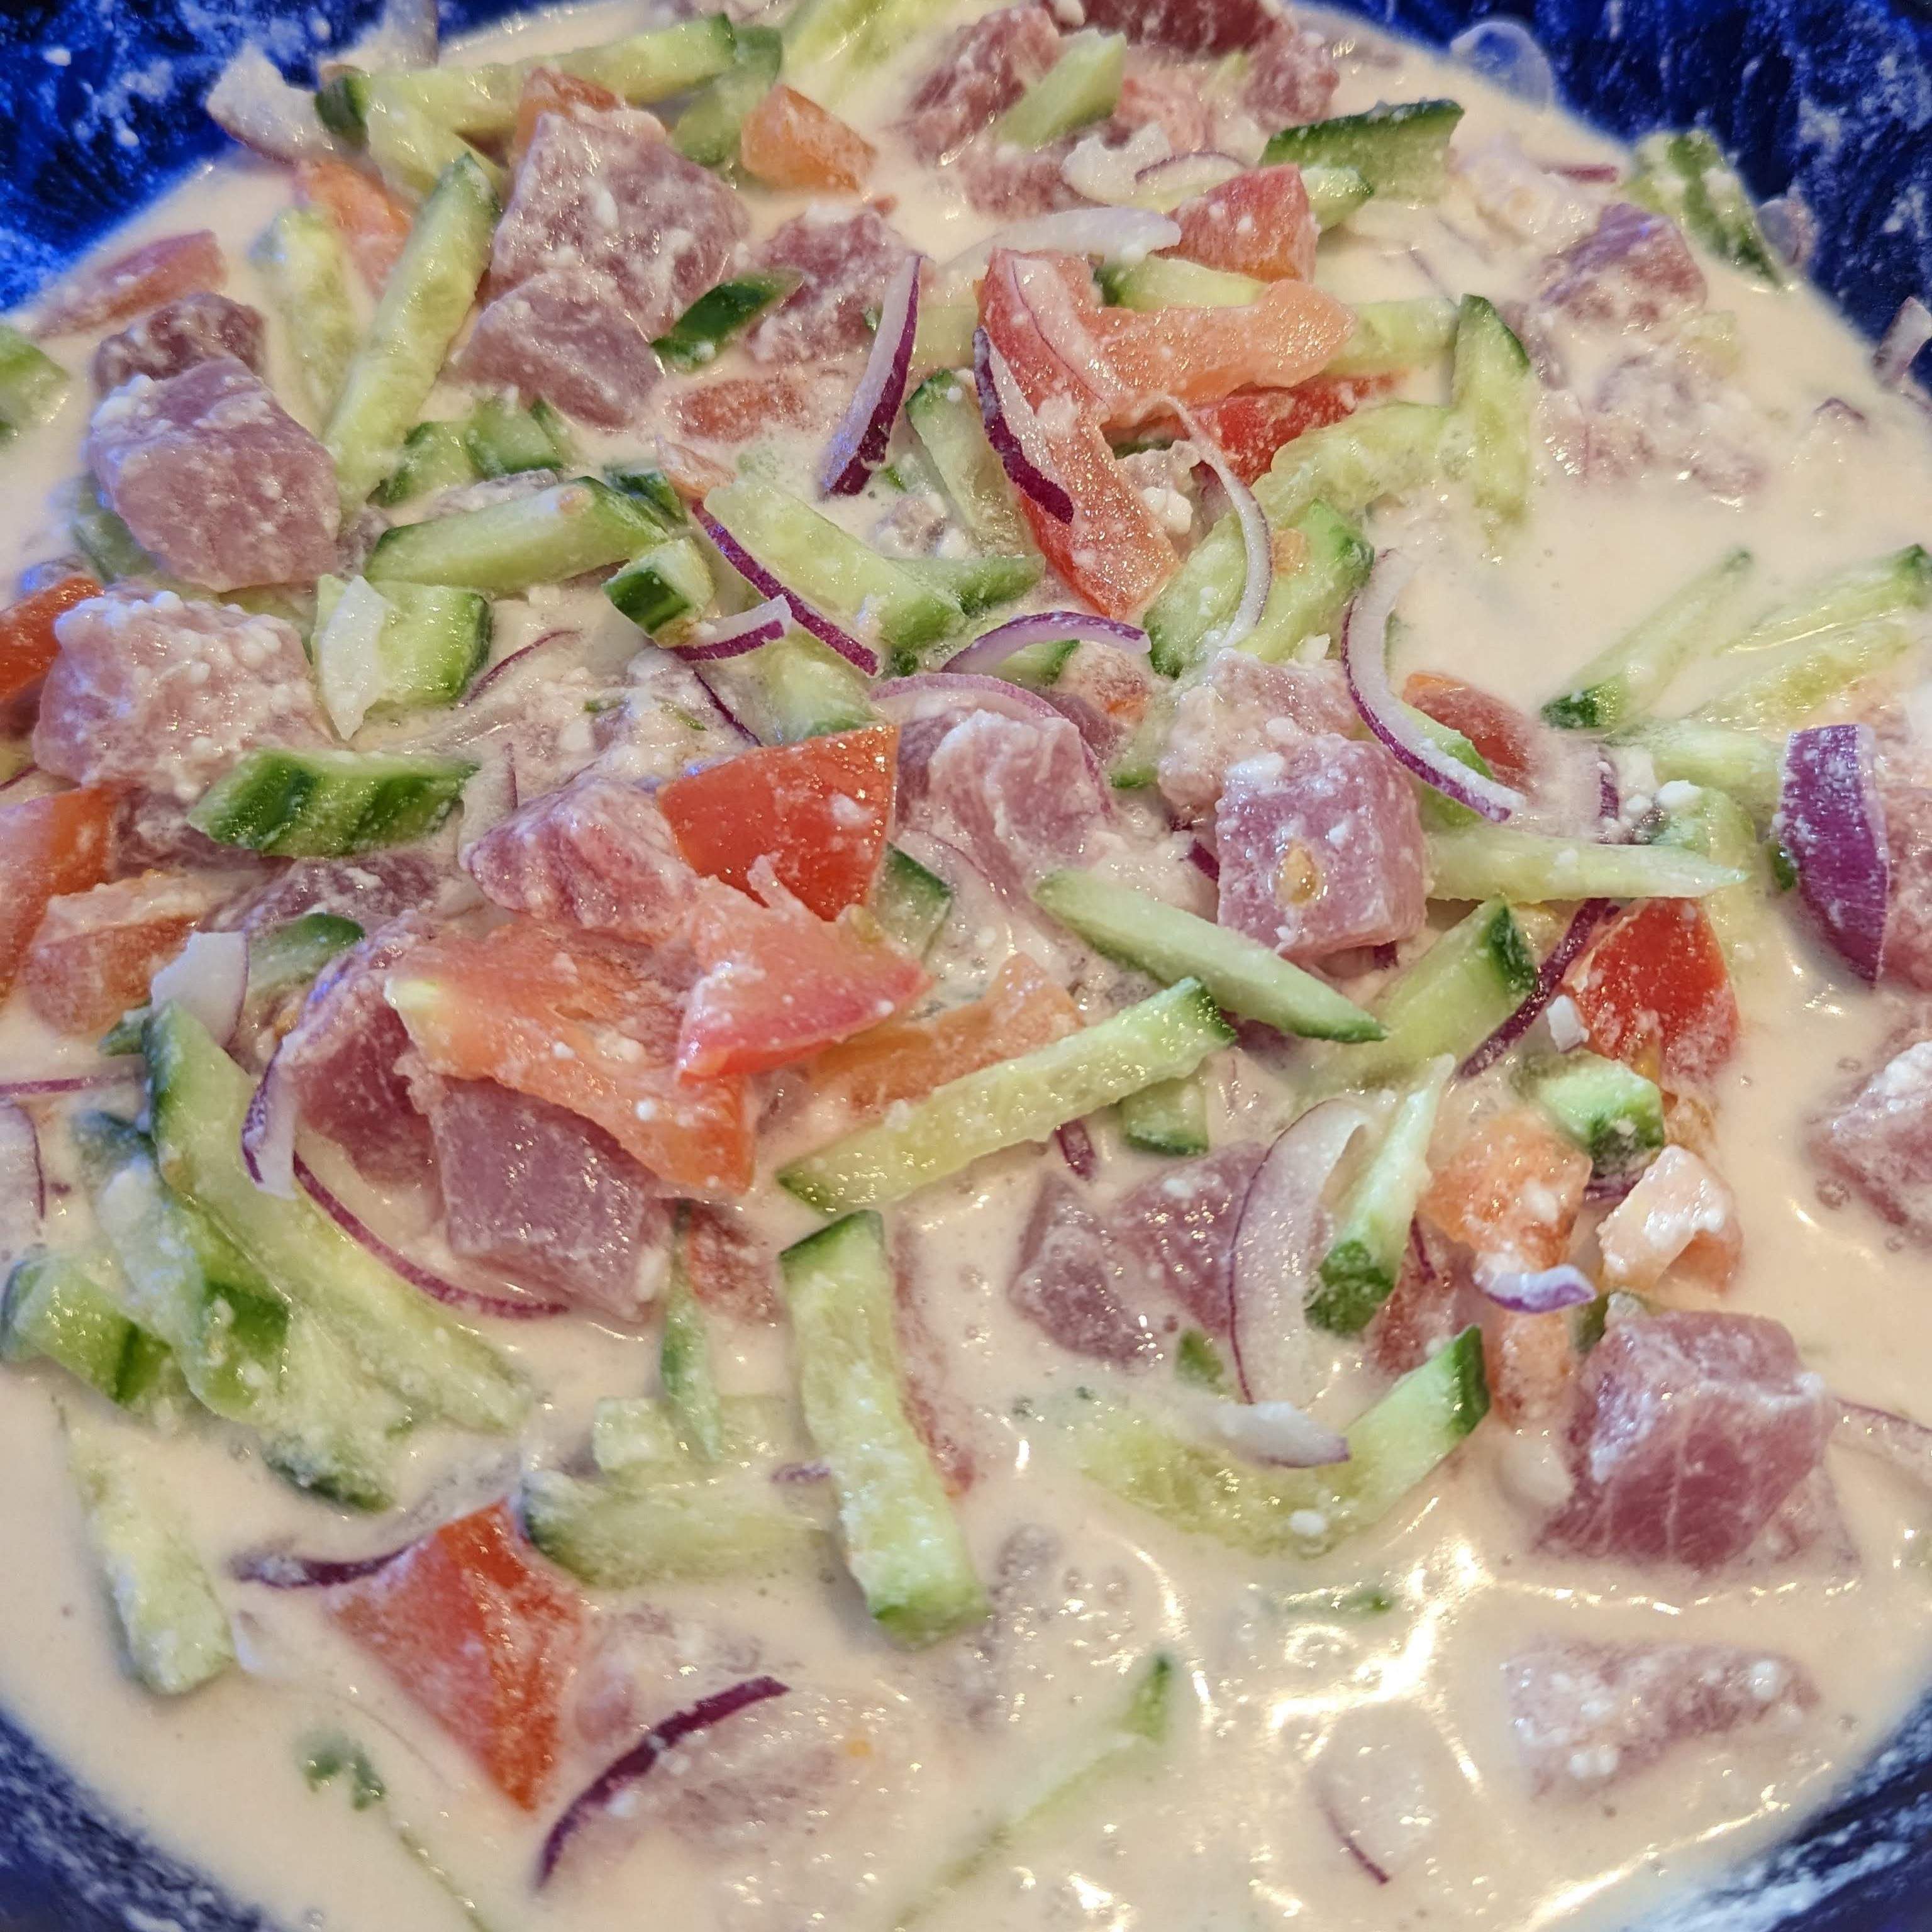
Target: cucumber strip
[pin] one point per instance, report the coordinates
(302, 260)
(806, 690)
(1619, 686)
(944, 338)
(1359, 1272)
(420, 644)
(173, 1625)
(503, 548)
(1739, 763)
(684, 1365)
(1402, 152)
(57, 1308)
(329, 804)
(1885, 587)
(197, 1097)
(504, 441)
(707, 131)
(978, 584)
(411, 149)
(815, 557)
(945, 417)
(1334, 193)
(1498, 862)
(651, 66)
(1239, 973)
(722, 314)
(668, 587)
(641, 1434)
(436, 456)
(1714, 826)
(334, 1425)
(1392, 1448)
(1171, 281)
(428, 294)
(1609, 1110)
(1686, 176)
(32, 385)
(1038, 666)
(910, 903)
(901, 1541)
(342, 105)
(1198, 1363)
(1080, 88)
(653, 492)
(1786, 694)
(1309, 602)
(290, 955)
(1170, 1117)
(104, 540)
(1493, 397)
(1391, 336)
(1020, 1100)
(1440, 813)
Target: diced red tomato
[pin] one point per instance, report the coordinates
(143, 278)
(95, 952)
(820, 811)
(60, 843)
(693, 477)
(1530, 1360)
(1042, 313)
(729, 1268)
(1499, 731)
(781, 984)
(28, 645)
(1654, 992)
(1257, 224)
(734, 409)
(789, 141)
(589, 1030)
(1252, 424)
(1511, 1192)
(905, 1060)
(549, 90)
(373, 223)
(481, 1636)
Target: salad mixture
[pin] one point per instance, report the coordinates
(962, 969)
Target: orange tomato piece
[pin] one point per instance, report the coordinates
(820, 811)
(1499, 731)
(373, 223)
(1654, 992)
(143, 278)
(1252, 424)
(905, 1060)
(1257, 224)
(48, 846)
(789, 141)
(549, 90)
(95, 951)
(28, 645)
(1681, 1218)
(1511, 1192)
(781, 984)
(481, 1636)
(1530, 1360)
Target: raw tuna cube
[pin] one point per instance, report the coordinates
(177, 335)
(1632, 271)
(95, 951)
(1186, 26)
(162, 694)
(1907, 954)
(847, 257)
(606, 191)
(1665, 410)
(1690, 1430)
(999, 179)
(1320, 849)
(668, 721)
(216, 479)
(1241, 708)
(154, 272)
(1880, 1144)
(1156, 94)
(985, 68)
(372, 890)
(1180, 1226)
(547, 1197)
(1069, 1280)
(597, 854)
(565, 335)
(1292, 75)
(1585, 1714)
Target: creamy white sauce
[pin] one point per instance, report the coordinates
(1223, 1832)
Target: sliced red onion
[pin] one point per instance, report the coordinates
(1009, 422)
(1535, 1291)
(1276, 1243)
(726, 715)
(803, 1472)
(1831, 820)
(1906, 1444)
(1609, 794)
(595, 1798)
(807, 616)
(503, 1307)
(1564, 954)
(208, 978)
(1910, 330)
(1076, 1149)
(732, 637)
(1278, 1432)
(1045, 627)
(281, 1569)
(1503, 51)
(1584, 171)
(1118, 233)
(27, 772)
(1365, 663)
(1257, 544)
(1165, 185)
(268, 1131)
(125, 1072)
(514, 660)
(858, 445)
(1600, 1187)
(23, 1185)
(251, 101)
(1204, 861)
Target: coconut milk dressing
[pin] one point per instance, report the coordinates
(1378, 1666)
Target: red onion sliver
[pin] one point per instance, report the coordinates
(268, 1131)
(1076, 1149)
(732, 637)
(125, 1072)
(636, 1762)
(27, 772)
(803, 1472)
(1831, 820)
(1204, 862)
(1010, 422)
(1350, 1845)
(23, 1186)
(207, 978)
(1906, 1444)
(1118, 233)
(1584, 171)
(806, 616)
(858, 445)
(1583, 927)
(279, 1570)
(1541, 1291)
(1365, 663)
(1600, 1187)
(1910, 330)
(1280, 1433)
(433, 1284)
(1044, 627)
(1257, 544)
(518, 657)
(726, 715)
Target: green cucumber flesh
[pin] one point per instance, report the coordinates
(504, 441)
(978, 584)
(653, 492)
(1493, 399)
(643, 1435)
(684, 1366)
(1391, 336)
(722, 314)
(1171, 281)
(707, 131)
(1736, 762)
(1686, 176)
(1401, 151)
(104, 540)
(32, 384)
(1885, 587)
(290, 955)
(436, 457)
(1334, 192)
(945, 416)
(1499, 861)
(1609, 1110)
(909, 902)
(502, 548)
(1080, 88)
(1804, 678)
(805, 690)
(57, 1307)
(1309, 602)
(666, 588)
(1714, 826)
(302, 259)
(1169, 1117)
(329, 804)
(334, 1428)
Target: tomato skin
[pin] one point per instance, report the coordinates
(48, 847)
(1250, 426)
(28, 645)
(484, 1639)
(819, 810)
(1654, 992)
(549, 90)
(789, 141)
(1500, 732)
(94, 953)
(373, 223)
(1257, 224)
(1510, 1192)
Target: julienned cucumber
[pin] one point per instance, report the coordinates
(977, 584)
(329, 804)
(1170, 1117)
(910, 902)
(1609, 1110)
(197, 1097)
(1392, 1448)
(684, 1364)
(1166, 281)
(1023, 1099)
(1804, 678)
(1494, 394)
(1402, 152)
(57, 1308)
(1240, 973)
(1390, 336)
(720, 315)
(411, 149)
(666, 588)
(901, 1541)
(436, 456)
(1498, 862)
(1736, 762)
(1712, 824)
(504, 547)
(946, 418)
(1080, 87)
(1686, 177)
(32, 384)
(1885, 587)
(1334, 193)
(406, 645)
(292, 953)
(504, 442)
(707, 131)
(303, 261)
(803, 690)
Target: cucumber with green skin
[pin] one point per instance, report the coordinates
(503, 441)
(1402, 152)
(1804, 678)
(653, 492)
(436, 457)
(104, 540)
(684, 1363)
(1499, 861)
(329, 804)
(1391, 336)
(290, 955)
(1732, 760)
(429, 642)
(302, 259)
(1080, 88)
(901, 1540)
(707, 131)
(1884, 586)
(1714, 826)
(1686, 176)
(57, 1308)
(722, 314)
(641, 1435)
(978, 584)
(1168, 281)
(1168, 1118)
(806, 690)
(945, 416)
(32, 385)
(503, 548)
(1609, 1110)
(1309, 602)
(1334, 192)
(1493, 398)
(668, 587)
(909, 902)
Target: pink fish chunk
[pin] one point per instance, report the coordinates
(1879, 1144)
(1907, 954)
(846, 259)
(179, 334)
(1586, 1715)
(598, 854)
(1292, 75)
(154, 272)
(215, 479)
(1069, 1283)
(1155, 93)
(1187, 26)
(547, 1198)
(1320, 849)
(999, 179)
(1690, 1430)
(162, 694)
(565, 335)
(983, 70)
(371, 889)
(1633, 271)
(1180, 1227)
